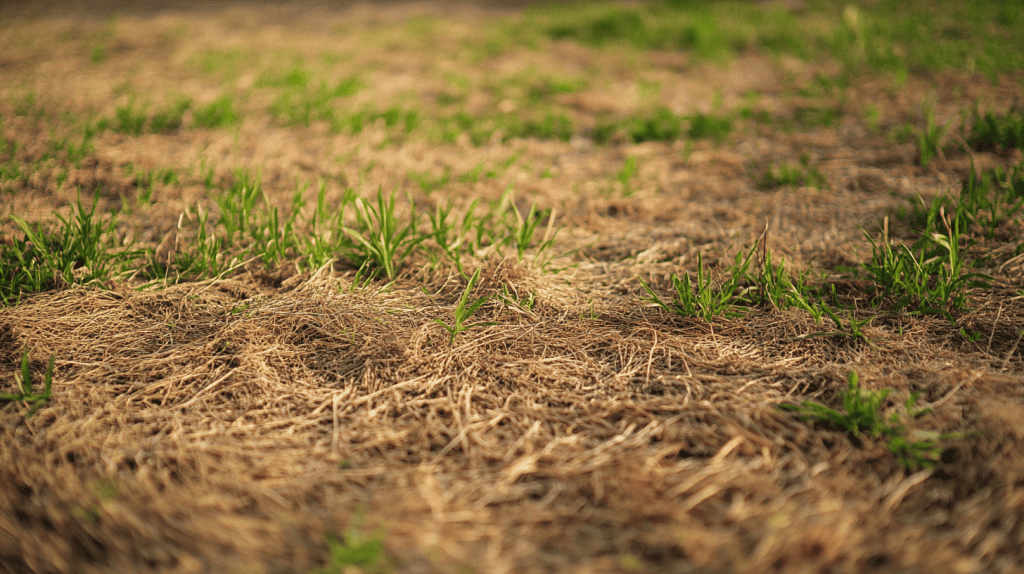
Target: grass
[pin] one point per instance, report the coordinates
(709, 126)
(930, 137)
(428, 183)
(994, 132)
(248, 227)
(884, 37)
(661, 124)
(704, 298)
(84, 249)
(672, 26)
(522, 231)
(818, 117)
(932, 280)
(988, 204)
(355, 551)
(135, 120)
(62, 150)
(245, 226)
(863, 416)
(790, 175)
(465, 309)
(991, 200)
(549, 125)
(446, 235)
(625, 175)
(382, 240)
(23, 384)
(146, 181)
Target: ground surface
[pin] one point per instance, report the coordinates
(265, 418)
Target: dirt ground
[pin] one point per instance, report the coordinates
(249, 423)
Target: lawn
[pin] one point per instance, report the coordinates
(608, 287)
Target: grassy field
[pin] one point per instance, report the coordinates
(667, 287)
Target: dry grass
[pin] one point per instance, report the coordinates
(228, 425)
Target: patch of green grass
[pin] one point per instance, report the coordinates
(873, 118)
(450, 99)
(931, 281)
(97, 54)
(135, 120)
(709, 126)
(985, 204)
(295, 78)
(711, 31)
(83, 250)
(660, 124)
(817, 117)
(882, 36)
(545, 87)
(776, 288)
(224, 63)
(903, 133)
(303, 103)
(473, 175)
(625, 175)
(930, 137)
(325, 236)
(863, 416)
(551, 125)
(169, 119)
(465, 309)
(393, 118)
(128, 119)
(991, 200)
(429, 183)
(996, 132)
(146, 181)
(245, 226)
(448, 236)
(59, 151)
(23, 384)
(760, 116)
(546, 126)
(201, 255)
(787, 174)
(219, 113)
(771, 286)
(705, 298)
(522, 230)
(926, 35)
(10, 168)
(380, 238)
(355, 552)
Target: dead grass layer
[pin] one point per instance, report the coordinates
(226, 426)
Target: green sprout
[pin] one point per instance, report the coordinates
(863, 417)
(465, 310)
(24, 385)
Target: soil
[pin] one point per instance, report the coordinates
(232, 424)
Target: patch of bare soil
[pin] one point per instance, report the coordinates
(229, 425)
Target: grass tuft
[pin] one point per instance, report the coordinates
(863, 416)
(995, 132)
(465, 309)
(23, 384)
